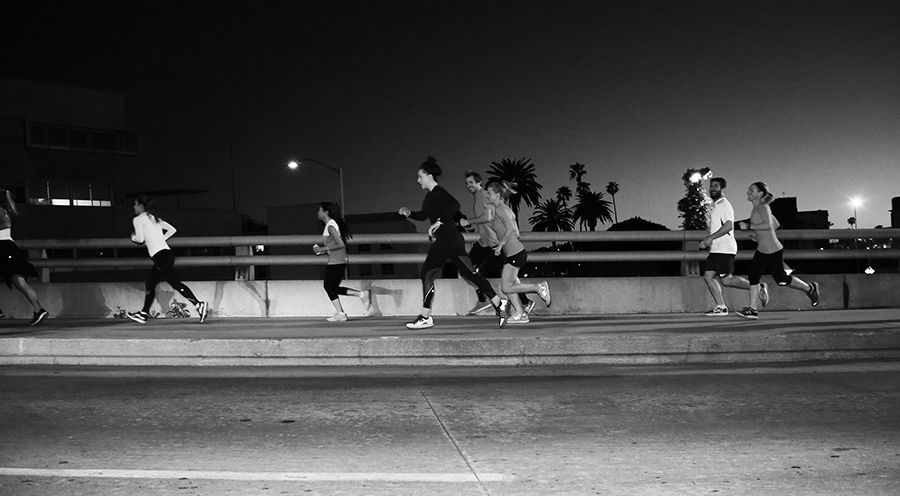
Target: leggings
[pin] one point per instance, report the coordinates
(769, 263)
(163, 270)
(334, 274)
(450, 246)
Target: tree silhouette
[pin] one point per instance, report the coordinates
(521, 172)
(591, 208)
(852, 222)
(577, 171)
(552, 215)
(692, 207)
(564, 194)
(613, 189)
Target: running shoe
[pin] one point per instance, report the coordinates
(338, 317)
(38, 317)
(421, 322)
(749, 313)
(518, 319)
(813, 294)
(530, 307)
(764, 294)
(370, 311)
(366, 297)
(202, 309)
(503, 312)
(544, 292)
(139, 317)
(479, 307)
(717, 311)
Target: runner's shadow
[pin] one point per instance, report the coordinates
(396, 294)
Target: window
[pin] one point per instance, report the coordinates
(81, 139)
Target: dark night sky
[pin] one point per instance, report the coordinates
(803, 95)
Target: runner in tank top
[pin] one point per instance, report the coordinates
(14, 265)
(334, 244)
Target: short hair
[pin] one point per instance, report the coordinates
(430, 166)
(721, 180)
(474, 175)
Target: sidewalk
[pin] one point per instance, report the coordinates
(458, 341)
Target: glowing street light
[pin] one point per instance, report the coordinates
(701, 175)
(295, 164)
(856, 202)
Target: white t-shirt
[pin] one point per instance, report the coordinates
(721, 213)
(150, 232)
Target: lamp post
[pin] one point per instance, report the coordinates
(856, 203)
(295, 164)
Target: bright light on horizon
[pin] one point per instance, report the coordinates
(856, 202)
(293, 165)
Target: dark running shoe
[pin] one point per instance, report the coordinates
(813, 294)
(38, 317)
(139, 317)
(202, 309)
(764, 294)
(749, 313)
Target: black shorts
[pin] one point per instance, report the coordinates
(485, 261)
(518, 260)
(720, 263)
(772, 264)
(14, 261)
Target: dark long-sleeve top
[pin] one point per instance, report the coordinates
(439, 205)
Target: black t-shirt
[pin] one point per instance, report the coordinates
(439, 205)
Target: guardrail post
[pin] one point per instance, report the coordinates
(244, 272)
(44, 273)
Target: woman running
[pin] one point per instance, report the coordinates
(769, 256)
(334, 244)
(153, 232)
(14, 265)
(442, 210)
(504, 224)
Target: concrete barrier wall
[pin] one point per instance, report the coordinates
(403, 297)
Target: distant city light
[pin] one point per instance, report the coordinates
(293, 165)
(870, 270)
(856, 202)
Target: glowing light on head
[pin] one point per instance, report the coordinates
(293, 165)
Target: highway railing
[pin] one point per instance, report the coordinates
(244, 258)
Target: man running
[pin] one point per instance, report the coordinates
(14, 265)
(769, 256)
(482, 253)
(719, 266)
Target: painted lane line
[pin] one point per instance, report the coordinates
(254, 476)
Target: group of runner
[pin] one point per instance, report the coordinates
(498, 251)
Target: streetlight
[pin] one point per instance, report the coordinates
(295, 164)
(856, 202)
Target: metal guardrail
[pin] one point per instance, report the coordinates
(241, 243)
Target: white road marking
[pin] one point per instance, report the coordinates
(254, 476)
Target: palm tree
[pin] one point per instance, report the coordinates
(613, 189)
(552, 215)
(576, 172)
(564, 194)
(521, 172)
(591, 208)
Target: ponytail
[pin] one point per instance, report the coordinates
(334, 211)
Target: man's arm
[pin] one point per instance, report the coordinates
(484, 218)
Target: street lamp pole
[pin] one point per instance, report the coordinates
(338, 170)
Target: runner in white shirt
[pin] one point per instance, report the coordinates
(718, 269)
(152, 232)
(334, 244)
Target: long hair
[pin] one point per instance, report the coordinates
(147, 202)
(764, 189)
(504, 188)
(334, 211)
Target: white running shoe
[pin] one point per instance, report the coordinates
(421, 322)
(203, 310)
(370, 311)
(503, 312)
(764, 294)
(139, 317)
(530, 307)
(717, 311)
(544, 292)
(479, 307)
(518, 319)
(338, 317)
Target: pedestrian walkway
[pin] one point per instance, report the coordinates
(462, 341)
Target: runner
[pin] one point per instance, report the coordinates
(719, 266)
(482, 253)
(14, 265)
(334, 244)
(769, 256)
(441, 209)
(504, 224)
(153, 232)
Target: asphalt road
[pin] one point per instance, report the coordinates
(791, 430)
